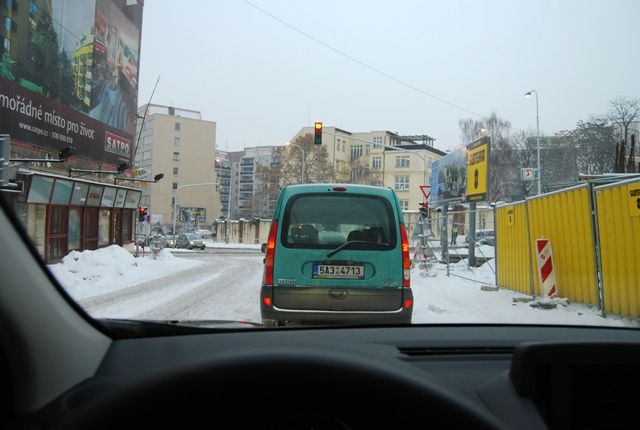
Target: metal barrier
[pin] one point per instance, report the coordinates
(564, 217)
(618, 215)
(513, 250)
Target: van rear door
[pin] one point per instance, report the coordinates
(339, 252)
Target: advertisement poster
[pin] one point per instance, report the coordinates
(69, 76)
(449, 178)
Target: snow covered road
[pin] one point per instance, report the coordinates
(222, 285)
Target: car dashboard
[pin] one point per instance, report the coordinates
(454, 376)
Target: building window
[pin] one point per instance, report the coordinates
(356, 151)
(176, 141)
(376, 162)
(33, 7)
(402, 183)
(377, 142)
(404, 205)
(175, 186)
(175, 171)
(176, 156)
(402, 161)
(177, 126)
(6, 43)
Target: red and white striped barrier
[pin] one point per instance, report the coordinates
(545, 268)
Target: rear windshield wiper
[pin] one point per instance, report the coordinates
(355, 242)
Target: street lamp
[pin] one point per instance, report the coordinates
(303, 157)
(175, 201)
(527, 95)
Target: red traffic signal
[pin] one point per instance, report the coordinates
(142, 214)
(318, 133)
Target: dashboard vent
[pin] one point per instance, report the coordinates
(431, 351)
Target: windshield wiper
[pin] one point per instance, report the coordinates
(127, 327)
(354, 242)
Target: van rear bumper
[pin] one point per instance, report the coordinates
(394, 315)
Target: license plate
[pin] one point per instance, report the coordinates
(338, 271)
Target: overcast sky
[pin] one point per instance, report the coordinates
(375, 65)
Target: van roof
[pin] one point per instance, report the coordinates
(372, 190)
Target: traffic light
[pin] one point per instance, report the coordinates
(424, 209)
(142, 214)
(318, 134)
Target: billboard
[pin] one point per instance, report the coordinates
(69, 77)
(449, 178)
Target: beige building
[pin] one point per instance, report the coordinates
(181, 145)
(380, 158)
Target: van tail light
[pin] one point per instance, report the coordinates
(406, 261)
(270, 254)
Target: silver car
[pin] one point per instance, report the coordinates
(189, 241)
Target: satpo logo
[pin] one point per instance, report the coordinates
(117, 144)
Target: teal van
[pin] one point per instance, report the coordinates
(337, 253)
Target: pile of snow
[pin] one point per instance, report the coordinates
(90, 273)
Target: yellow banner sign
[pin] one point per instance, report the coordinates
(477, 171)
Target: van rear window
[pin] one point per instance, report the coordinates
(329, 220)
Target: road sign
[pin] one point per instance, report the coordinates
(426, 191)
(527, 174)
(545, 268)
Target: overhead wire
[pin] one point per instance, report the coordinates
(362, 63)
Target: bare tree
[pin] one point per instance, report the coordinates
(625, 111)
(288, 171)
(524, 143)
(267, 188)
(631, 162)
(594, 141)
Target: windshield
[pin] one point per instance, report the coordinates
(211, 162)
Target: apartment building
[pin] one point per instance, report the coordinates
(179, 144)
(252, 199)
(380, 158)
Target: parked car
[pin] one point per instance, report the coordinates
(337, 253)
(189, 241)
(171, 239)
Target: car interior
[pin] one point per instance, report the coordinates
(62, 369)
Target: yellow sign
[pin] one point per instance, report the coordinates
(477, 171)
(633, 191)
